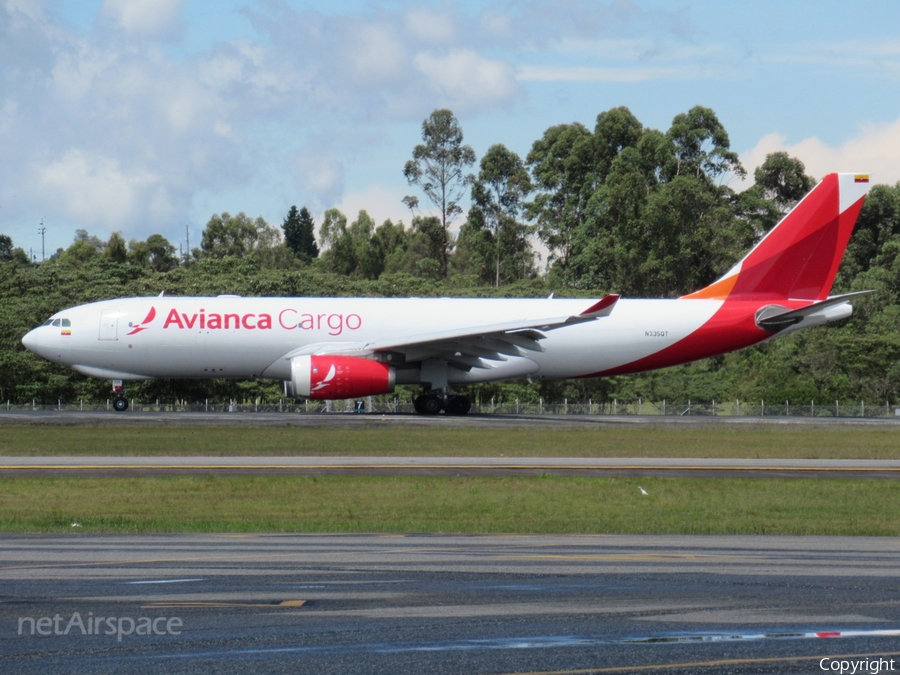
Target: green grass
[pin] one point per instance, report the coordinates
(373, 439)
(544, 504)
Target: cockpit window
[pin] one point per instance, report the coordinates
(55, 322)
(47, 322)
(66, 323)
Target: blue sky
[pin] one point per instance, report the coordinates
(147, 116)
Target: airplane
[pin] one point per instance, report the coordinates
(337, 348)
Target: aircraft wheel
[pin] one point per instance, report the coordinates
(458, 405)
(120, 404)
(427, 404)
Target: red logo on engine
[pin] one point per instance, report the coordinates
(142, 325)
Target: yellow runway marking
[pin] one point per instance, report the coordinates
(189, 605)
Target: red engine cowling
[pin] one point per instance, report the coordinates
(336, 377)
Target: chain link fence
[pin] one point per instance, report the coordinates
(393, 404)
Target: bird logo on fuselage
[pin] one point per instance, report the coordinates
(141, 326)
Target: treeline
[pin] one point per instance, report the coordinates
(620, 208)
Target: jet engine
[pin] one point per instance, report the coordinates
(336, 377)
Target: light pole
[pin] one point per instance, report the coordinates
(42, 231)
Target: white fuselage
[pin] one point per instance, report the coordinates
(238, 337)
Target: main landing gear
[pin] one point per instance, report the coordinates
(120, 403)
(432, 404)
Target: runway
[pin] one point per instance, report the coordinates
(446, 604)
(454, 466)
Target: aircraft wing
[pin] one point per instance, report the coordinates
(468, 347)
(471, 346)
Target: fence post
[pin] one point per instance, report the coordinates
(664, 407)
(566, 406)
(714, 407)
(762, 408)
(787, 408)
(517, 405)
(862, 408)
(615, 406)
(640, 405)
(541, 408)
(590, 406)
(812, 408)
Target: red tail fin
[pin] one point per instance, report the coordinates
(799, 258)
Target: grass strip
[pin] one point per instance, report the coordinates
(373, 439)
(404, 504)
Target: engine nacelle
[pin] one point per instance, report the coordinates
(336, 377)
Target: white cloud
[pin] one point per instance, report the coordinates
(466, 80)
(429, 25)
(874, 150)
(589, 74)
(149, 18)
(95, 188)
(376, 54)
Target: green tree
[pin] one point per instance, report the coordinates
(779, 183)
(394, 240)
(299, 234)
(8, 253)
(560, 175)
(438, 168)
(701, 146)
(499, 192)
(653, 216)
(162, 253)
(236, 236)
(783, 180)
(115, 249)
(875, 237)
(353, 250)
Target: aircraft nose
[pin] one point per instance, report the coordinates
(31, 340)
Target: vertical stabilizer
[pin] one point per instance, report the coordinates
(799, 258)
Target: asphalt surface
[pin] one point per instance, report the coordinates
(446, 604)
(455, 466)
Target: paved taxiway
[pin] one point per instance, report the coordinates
(166, 465)
(448, 604)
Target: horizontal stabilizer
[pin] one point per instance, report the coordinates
(775, 318)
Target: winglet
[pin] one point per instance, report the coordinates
(602, 307)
